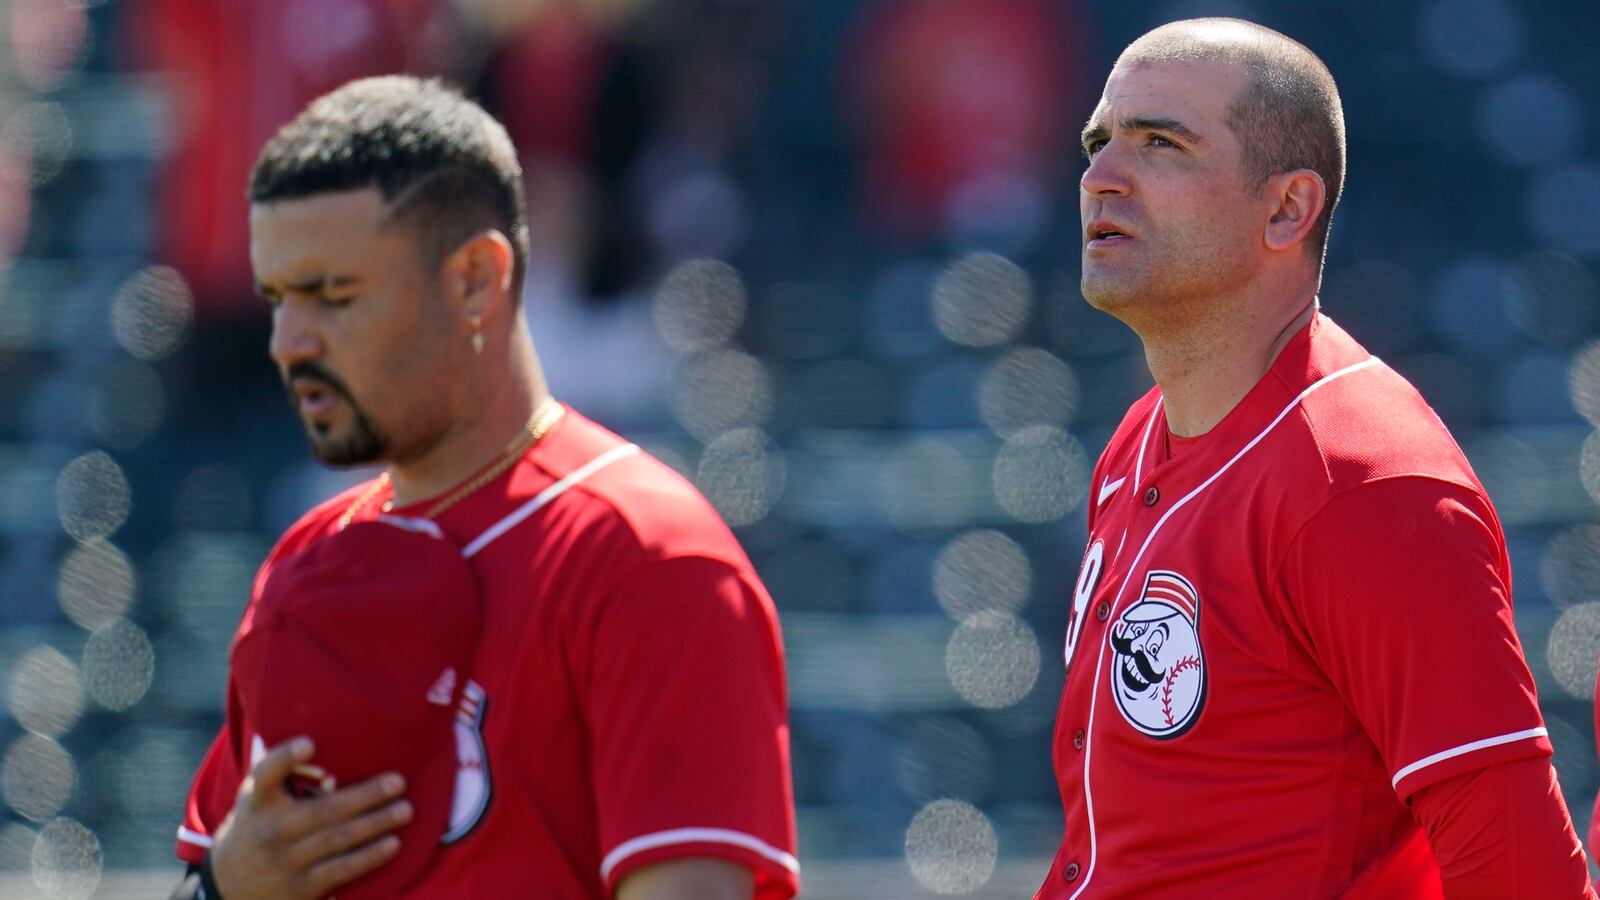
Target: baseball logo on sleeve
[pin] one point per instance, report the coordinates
(1158, 673)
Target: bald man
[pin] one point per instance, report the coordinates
(1291, 662)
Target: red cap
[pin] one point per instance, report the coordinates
(364, 641)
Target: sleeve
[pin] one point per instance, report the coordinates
(215, 785)
(1402, 589)
(1503, 833)
(687, 707)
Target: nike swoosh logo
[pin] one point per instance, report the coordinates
(1109, 487)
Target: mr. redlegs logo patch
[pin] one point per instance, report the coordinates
(1158, 674)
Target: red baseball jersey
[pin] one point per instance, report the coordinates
(627, 703)
(1280, 630)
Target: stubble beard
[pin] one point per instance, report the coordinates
(362, 443)
(1153, 296)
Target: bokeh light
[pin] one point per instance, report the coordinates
(1583, 382)
(67, 860)
(92, 496)
(700, 305)
(118, 665)
(1550, 296)
(1589, 466)
(982, 300)
(95, 583)
(979, 571)
(951, 847)
(992, 659)
(37, 777)
(151, 312)
(1573, 651)
(1574, 757)
(898, 322)
(48, 40)
(1558, 208)
(722, 389)
(214, 498)
(16, 850)
(743, 474)
(46, 694)
(927, 484)
(1467, 305)
(127, 404)
(44, 129)
(1040, 474)
(1570, 567)
(1471, 38)
(1027, 386)
(946, 757)
(1537, 97)
(144, 775)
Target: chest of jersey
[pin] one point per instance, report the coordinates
(1195, 732)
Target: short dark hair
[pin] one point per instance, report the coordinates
(1288, 117)
(445, 166)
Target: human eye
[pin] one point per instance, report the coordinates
(1158, 140)
(1092, 146)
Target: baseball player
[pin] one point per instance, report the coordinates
(617, 725)
(1291, 663)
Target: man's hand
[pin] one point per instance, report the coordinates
(273, 845)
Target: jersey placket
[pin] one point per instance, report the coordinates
(1111, 561)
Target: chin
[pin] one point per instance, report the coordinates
(1107, 294)
(353, 447)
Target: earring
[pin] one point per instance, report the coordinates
(477, 334)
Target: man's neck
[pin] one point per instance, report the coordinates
(1206, 369)
(478, 438)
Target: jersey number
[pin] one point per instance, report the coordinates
(1088, 580)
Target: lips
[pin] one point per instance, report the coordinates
(1105, 233)
(313, 398)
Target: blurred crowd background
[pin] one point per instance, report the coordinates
(819, 255)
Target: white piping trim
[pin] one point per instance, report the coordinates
(194, 837)
(1144, 444)
(1453, 752)
(696, 836)
(515, 518)
(1099, 666)
(407, 523)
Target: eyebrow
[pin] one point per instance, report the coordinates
(314, 284)
(1143, 123)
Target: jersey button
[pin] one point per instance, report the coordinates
(1151, 495)
(1077, 739)
(1103, 611)
(1070, 871)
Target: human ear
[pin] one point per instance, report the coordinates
(1297, 200)
(479, 271)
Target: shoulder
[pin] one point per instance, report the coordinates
(1363, 422)
(636, 505)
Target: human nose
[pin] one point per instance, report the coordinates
(1107, 174)
(294, 334)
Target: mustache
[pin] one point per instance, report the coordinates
(1141, 659)
(305, 370)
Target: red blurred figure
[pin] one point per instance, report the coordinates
(952, 94)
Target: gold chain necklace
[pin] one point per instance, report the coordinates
(546, 416)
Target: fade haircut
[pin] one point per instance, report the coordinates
(444, 166)
(1287, 117)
